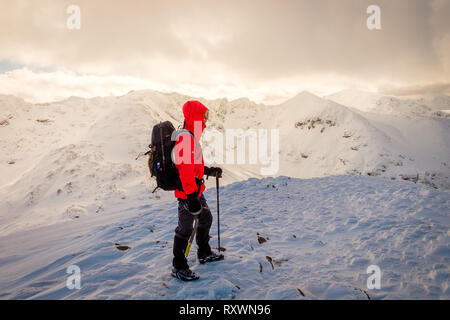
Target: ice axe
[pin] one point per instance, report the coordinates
(191, 238)
(194, 231)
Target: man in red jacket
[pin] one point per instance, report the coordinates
(192, 204)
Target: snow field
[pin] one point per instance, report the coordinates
(321, 235)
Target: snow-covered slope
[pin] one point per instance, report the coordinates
(435, 101)
(73, 158)
(321, 235)
(321, 137)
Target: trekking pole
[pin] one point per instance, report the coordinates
(191, 238)
(218, 213)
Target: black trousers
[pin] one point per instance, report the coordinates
(184, 229)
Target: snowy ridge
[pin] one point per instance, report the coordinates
(382, 104)
(69, 159)
(320, 236)
(435, 101)
(322, 137)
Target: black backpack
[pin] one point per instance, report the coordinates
(160, 162)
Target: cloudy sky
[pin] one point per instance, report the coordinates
(265, 50)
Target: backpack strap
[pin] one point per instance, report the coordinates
(181, 132)
(175, 136)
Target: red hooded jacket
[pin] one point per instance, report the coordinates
(190, 167)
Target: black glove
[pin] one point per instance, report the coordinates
(213, 171)
(194, 205)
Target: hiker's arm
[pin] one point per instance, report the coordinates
(186, 170)
(187, 177)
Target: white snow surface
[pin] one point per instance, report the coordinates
(70, 188)
(321, 235)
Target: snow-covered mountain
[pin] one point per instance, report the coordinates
(71, 188)
(68, 159)
(435, 101)
(381, 104)
(321, 137)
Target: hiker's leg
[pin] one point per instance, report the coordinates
(204, 225)
(182, 233)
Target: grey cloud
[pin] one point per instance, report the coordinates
(207, 41)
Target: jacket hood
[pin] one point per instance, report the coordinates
(194, 111)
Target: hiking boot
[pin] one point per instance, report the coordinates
(184, 274)
(210, 258)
